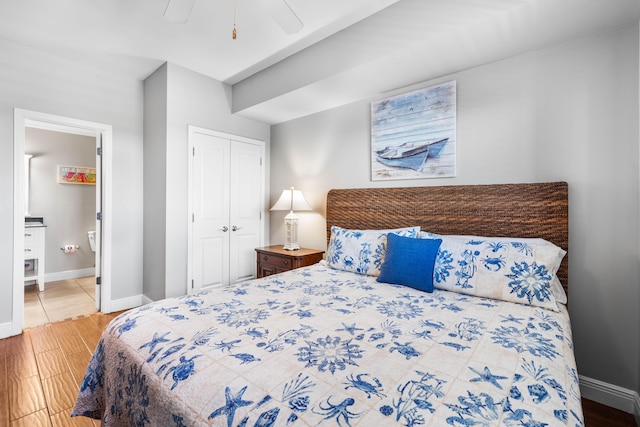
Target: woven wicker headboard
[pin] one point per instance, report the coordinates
(499, 210)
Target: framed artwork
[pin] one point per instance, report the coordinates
(76, 175)
(413, 135)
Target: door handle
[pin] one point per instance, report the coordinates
(235, 228)
(224, 229)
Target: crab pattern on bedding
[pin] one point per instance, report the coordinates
(319, 346)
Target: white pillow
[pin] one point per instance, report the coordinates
(361, 251)
(509, 269)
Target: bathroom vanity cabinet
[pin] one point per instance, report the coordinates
(34, 239)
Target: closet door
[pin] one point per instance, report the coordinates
(210, 218)
(226, 192)
(245, 209)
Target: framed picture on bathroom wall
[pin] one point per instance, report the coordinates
(83, 175)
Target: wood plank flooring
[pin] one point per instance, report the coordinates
(41, 371)
(599, 415)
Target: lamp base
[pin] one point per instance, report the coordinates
(291, 232)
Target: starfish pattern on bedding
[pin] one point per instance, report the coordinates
(157, 339)
(487, 376)
(350, 328)
(234, 402)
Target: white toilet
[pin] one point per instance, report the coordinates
(92, 239)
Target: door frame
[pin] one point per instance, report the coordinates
(195, 129)
(26, 118)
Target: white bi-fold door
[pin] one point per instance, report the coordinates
(226, 198)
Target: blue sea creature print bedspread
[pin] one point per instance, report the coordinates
(322, 347)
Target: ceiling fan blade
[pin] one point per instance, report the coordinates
(284, 15)
(178, 10)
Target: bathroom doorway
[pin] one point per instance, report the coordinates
(71, 211)
(60, 194)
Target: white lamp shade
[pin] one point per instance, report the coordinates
(291, 200)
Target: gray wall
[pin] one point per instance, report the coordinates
(191, 99)
(69, 210)
(36, 80)
(155, 183)
(568, 112)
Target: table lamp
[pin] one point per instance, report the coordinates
(291, 200)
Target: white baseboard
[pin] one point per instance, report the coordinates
(6, 329)
(115, 305)
(126, 303)
(69, 274)
(122, 304)
(611, 395)
(146, 300)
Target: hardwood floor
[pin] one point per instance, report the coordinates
(598, 415)
(41, 371)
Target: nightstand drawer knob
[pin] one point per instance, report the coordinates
(285, 262)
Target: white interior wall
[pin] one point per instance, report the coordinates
(36, 80)
(191, 99)
(569, 113)
(155, 183)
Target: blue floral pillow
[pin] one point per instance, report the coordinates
(361, 251)
(508, 269)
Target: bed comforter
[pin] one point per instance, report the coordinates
(319, 346)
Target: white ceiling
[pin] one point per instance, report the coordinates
(347, 50)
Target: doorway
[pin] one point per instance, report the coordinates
(100, 137)
(60, 194)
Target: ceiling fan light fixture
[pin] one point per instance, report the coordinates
(281, 11)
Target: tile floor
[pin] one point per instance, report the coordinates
(60, 300)
(41, 371)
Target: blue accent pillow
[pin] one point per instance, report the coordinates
(409, 262)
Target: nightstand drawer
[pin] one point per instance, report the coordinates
(274, 259)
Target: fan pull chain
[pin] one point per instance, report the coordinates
(234, 33)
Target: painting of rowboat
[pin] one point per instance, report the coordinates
(413, 135)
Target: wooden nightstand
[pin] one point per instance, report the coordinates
(274, 259)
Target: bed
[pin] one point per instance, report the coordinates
(478, 334)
